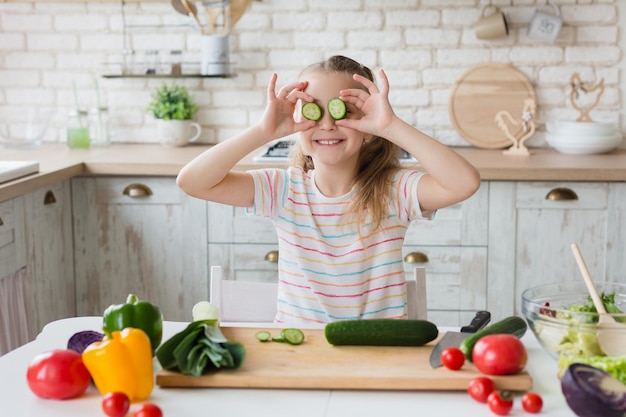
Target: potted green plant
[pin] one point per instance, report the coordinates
(174, 109)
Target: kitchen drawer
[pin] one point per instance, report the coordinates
(463, 224)
(12, 243)
(229, 224)
(553, 195)
(244, 262)
(144, 190)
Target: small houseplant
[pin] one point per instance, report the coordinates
(172, 103)
(174, 108)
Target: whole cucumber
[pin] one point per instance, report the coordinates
(381, 332)
(510, 325)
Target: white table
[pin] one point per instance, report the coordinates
(17, 400)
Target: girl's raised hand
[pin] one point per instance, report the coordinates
(373, 103)
(278, 118)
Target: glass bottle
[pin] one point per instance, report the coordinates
(78, 130)
(176, 61)
(152, 57)
(99, 131)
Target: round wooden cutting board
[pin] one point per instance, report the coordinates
(479, 94)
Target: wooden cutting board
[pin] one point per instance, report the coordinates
(480, 94)
(317, 365)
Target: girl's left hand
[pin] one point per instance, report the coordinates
(373, 103)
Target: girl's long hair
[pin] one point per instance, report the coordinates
(378, 160)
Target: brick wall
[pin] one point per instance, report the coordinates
(424, 45)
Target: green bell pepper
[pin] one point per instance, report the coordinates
(137, 314)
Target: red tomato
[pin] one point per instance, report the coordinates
(148, 410)
(115, 404)
(499, 354)
(452, 358)
(500, 403)
(58, 374)
(532, 402)
(479, 388)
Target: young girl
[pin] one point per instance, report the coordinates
(342, 209)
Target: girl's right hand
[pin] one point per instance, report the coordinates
(278, 119)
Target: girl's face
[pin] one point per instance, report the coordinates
(327, 143)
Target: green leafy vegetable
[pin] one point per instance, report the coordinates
(609, 304)
(615, 365)
(580, 344)
(199, 348)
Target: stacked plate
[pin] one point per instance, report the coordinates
(582, 138)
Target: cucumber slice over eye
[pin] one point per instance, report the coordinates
(311, 111)
(337, 108)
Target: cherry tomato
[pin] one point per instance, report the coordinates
(148, 410)
(452, 358)
(500, 403)
(115, 404)
(532, 402)
(58, 374)
(479, 388)
(499, 354)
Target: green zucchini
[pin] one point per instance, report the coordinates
(311, 111)
(337, 108)
(510, 325)
(380, 332)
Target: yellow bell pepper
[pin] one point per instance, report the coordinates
(122, 363)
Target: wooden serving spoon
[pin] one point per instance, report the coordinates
(188, 8)
(611, 334)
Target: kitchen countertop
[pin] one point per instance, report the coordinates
(57, 162)
(17, 400)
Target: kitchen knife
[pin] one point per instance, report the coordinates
(449, 339)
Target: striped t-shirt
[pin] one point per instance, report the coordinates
(328, 270)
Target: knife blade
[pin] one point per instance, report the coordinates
(480, 320)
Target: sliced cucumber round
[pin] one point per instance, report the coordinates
(311, 111)
(337, 108)
(263, 336)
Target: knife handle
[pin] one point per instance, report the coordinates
(479, 321)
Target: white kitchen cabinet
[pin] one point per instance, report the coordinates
(50, 257)
(142, 236)
(12, 241)
(15, 293)
(36, 263)
(452, 248)
(532, 226)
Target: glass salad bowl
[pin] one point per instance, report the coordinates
(564, 321)
(24, 128)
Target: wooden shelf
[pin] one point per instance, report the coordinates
(167, 76)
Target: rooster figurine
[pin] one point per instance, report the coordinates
(504, 121)
(577, 86)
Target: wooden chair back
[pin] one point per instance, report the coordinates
(255, 302)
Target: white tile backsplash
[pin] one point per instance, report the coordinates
(423, 45)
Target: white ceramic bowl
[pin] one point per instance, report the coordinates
(571, 139)
(581, 128)
(565, 145)
(24, 128)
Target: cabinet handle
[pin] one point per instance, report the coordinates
(49, 198)
(561, 194)
(137, 190)
(271, 256)
(416, 258)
